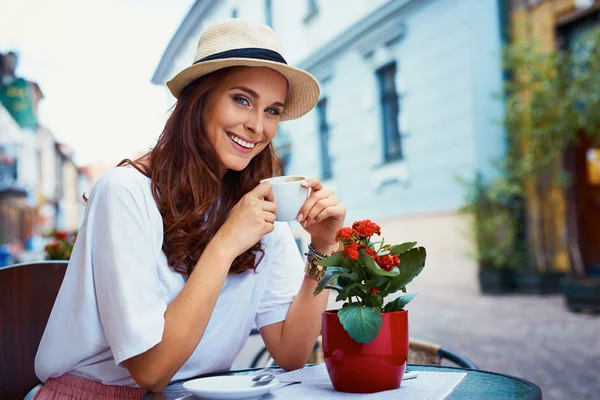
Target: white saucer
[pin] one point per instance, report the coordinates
(228, 387)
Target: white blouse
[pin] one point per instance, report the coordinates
(118, 285)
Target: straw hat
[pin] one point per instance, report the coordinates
(235, 42)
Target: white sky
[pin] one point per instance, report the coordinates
(93, 60)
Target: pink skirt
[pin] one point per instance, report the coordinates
(72, 387)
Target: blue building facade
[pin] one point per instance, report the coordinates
(443, 67)
(409, 103)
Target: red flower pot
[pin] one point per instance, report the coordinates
(366, 367)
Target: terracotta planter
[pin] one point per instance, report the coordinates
(366, 367)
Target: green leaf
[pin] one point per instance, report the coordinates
(342, 296)
(355, 289)
(330, 278)
(403, 248)
(399, 303)
(372, 268)
(411, 264)
(361, 323)
(336, 259)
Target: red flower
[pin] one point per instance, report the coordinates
(371, 252)
(345, 234)
(366, 228)
(60, 235)
(351, 251)
(374, 291)
(388, 262)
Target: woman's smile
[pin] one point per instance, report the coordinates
(243, 145)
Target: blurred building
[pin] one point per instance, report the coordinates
(16, 215)
(67, 218)
(38, 178)
(575, 216)
(406, 107)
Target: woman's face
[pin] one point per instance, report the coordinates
(242, 113)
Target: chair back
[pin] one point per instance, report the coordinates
(425, 352)
(27, 294)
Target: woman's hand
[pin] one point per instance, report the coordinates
(322, 215)
(249, 220)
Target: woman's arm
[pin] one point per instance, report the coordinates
(290, 342)
(186, 320)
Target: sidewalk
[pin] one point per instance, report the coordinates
(531, 337)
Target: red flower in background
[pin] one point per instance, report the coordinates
(61, 235)
(60, 247)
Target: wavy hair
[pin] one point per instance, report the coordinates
(193, 201)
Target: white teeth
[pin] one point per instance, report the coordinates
(241, 142)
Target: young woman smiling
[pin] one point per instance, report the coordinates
(179, 254)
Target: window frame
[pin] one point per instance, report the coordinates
(324, 136)
(389, 99)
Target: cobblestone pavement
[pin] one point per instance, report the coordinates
(532, 337)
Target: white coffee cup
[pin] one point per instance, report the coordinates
(289, 195)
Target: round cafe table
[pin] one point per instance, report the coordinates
(476, 385)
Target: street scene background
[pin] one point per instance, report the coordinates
(444, 121)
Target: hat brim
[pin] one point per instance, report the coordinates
(304, 89)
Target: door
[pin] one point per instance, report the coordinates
(587, 194)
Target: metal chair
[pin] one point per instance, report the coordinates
(27, 294)
(424, 352)
(419, 352)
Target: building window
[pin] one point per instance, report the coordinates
(269, 13)
(283, 149)
(312, 9)
(234, 13)
(390, 109)
(326, 172)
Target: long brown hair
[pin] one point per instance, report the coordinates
(192, 199)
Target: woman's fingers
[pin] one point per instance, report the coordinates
(339, 210)
(319, 207)
(312, 183)
(262, 190)
(268, 206)
(269, 217)
(315, 197)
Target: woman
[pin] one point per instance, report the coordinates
(179, 254)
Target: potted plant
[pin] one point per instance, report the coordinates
(60, 246)
(493, 212)
(365, 343)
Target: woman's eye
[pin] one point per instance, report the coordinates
(241, 100)
(273, 111)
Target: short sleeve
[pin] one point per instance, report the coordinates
(124, 263)
(285, 267)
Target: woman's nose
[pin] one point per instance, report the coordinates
(255, 123)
